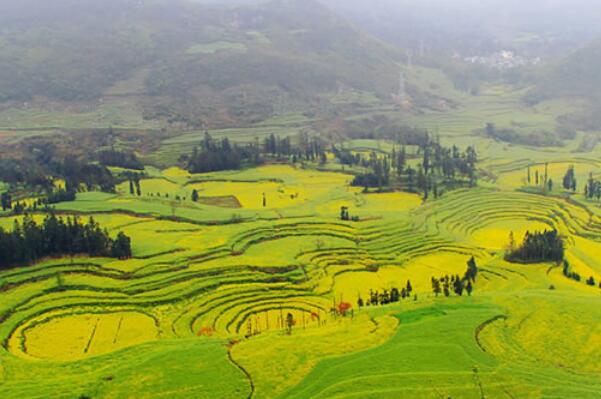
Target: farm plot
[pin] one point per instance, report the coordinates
(244, 296)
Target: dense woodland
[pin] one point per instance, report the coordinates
(121, 159)
(55, 236)
(215, 155)
(40, 171)
(545, 246)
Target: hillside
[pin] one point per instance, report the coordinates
(187, 63)
(441, 27)
(576, 76)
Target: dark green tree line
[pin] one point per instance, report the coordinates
(55, 236)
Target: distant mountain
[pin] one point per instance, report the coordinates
(198, 64)
(578, 75)
(471, 27)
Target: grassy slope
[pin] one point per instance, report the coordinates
(300, 265)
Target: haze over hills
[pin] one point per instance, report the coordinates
(203, 63)
(469, 27)
(184, 62)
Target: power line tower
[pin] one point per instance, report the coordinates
(402, 87)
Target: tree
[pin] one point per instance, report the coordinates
(469, 288)
(591, 187)
(472, 270)
(436, 286)
(550, 185)
(344, 214)
(121, 248)
(568, 178)
(426, 161)
(546, 177)
(591, 281)
(458, 286)
(6, 201)
(195, 195)
(490, 129)
(289, 323)
(401, 161)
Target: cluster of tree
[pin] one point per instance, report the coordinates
(39, 172)
(545, 246)
(134, 184)
(307, 149)
(538, 138)
(385, 297)
(15, 171)
(52, 197)
(214, 155)
(120, 159)
(78, 172)
(29, 241)
(456, 283)
(60, 195)
(440, 168)
(383, 127)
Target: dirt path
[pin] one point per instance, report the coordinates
(483, 326)
(246, 374)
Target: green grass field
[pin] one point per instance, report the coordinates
(198, 312)
(174, 320)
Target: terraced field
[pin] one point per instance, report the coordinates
(201, 309)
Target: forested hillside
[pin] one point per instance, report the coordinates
(186, 62)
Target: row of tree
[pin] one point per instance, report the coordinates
(454, 283)
(542, 180)
(385, 296)
(571, 274)
(55, 236)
